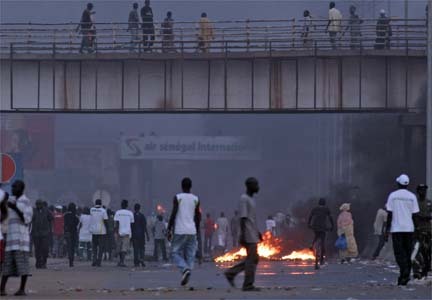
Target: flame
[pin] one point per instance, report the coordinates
(305, 254)
(160, 209)
(269, 248)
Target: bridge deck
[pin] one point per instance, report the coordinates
(214, 56)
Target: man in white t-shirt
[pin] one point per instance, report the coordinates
(334, 23)
(98, 226)
(271, 225)
(182, 229)
(401, 206)
(123, 219)
(222, 228)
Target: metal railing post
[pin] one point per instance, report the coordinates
(181, 40)
(71, 38)
(113, 35)
(11, 74)
(29, 37)
(293, 33)
(247, 35)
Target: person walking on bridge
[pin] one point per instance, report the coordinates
(168, 33)
(334, 24)
(354, 26)
(87, 29)
(383, 31)
(133, 26)
(147, 26)
(205, 33)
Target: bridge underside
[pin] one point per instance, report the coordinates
(386, 80)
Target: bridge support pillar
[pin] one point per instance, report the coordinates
(429, 105)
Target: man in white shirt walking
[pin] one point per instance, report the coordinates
(123, 219)
(182, 229)
(334, 23)
(98, 226)
(401, 206)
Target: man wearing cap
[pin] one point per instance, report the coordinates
(383, 31)
(423, 233)
(402, 206)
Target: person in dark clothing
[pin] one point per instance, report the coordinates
(87, 29)
(168, 33)
(139, 236)
(109, 244)
(383, 31)
(41, 229)
(133, 26)
(354, 24)
(147, 26)
(71, 222)
(422, 234)
(318, 223)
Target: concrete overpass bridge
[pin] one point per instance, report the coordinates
(251, 65)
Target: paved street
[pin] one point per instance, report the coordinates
(280, 280)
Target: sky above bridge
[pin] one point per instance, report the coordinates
(54, 11)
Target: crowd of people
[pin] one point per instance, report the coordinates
(142, 30)
(96, 234)
(143, 19)
(405, 216)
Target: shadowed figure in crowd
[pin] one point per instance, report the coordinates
(139, 236)
(71, 222)
(41, 228)
(320, 221)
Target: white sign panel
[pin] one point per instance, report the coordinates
(189, 148)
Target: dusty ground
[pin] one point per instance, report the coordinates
(280, 280)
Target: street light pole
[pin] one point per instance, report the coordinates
(429, 103)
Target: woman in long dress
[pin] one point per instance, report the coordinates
(345, 225)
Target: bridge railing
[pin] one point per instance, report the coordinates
(228, 36)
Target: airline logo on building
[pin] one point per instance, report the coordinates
(189, 148)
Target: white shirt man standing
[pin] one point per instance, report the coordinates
(98, 226)
(401, 206)
(123, 219)
(222, 228)
(271, 225)
(184, 222)
(334, 23)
